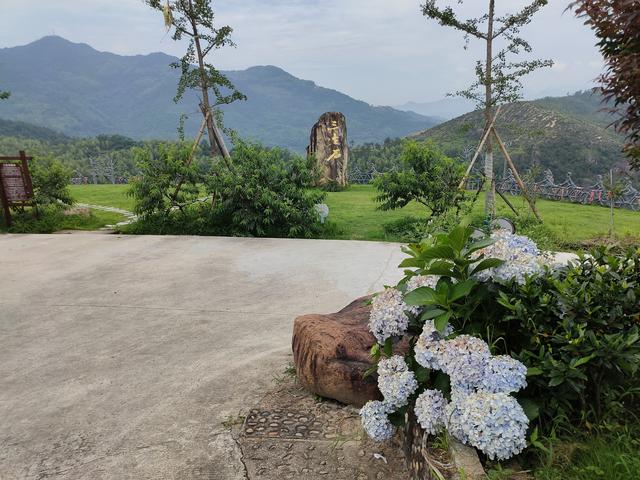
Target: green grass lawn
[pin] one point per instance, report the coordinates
(355, 215)
(105, 195)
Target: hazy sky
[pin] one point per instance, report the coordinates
(381, 51)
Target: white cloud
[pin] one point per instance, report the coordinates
(381, 51)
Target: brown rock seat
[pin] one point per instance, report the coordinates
(331, 353)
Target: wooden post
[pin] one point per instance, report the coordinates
(479, 149)
(5, 202)
(516, 175)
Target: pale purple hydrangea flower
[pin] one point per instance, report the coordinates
(388, 318)
(429, 347)
(520, 254)
(494, 423)
(430, 411)
(504, 375)
(395, 381)
(418, 281)
(453, 415)
(375, 421)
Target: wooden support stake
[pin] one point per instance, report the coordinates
(516, 175)
(203, 125)
(479, 149)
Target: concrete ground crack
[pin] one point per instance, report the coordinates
(244, 465)
(372, 287)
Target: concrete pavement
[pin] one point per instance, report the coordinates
(121, 356)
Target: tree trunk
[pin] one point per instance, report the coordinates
(489, 205)
(215, 136)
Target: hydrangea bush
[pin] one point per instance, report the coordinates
(449, 377)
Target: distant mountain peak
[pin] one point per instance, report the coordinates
(80, 91)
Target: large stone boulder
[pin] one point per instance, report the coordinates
(328, 144)
(331, 354)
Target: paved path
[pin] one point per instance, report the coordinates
(130, 216)
(121, 357)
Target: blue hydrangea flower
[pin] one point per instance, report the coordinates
(430, 411)
(494, 423)
(388, 318)
(375, 420)
(465, 360)
(504, 375)
(395, 381)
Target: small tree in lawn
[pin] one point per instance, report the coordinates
(194, 19)
(429, 178)
(498, 78)
(617, 25)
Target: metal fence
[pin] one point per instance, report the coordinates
(568, 190)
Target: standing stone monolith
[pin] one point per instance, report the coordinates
(330, 148)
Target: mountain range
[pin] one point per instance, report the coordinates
(79, 91)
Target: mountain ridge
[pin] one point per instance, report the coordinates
(79, 91)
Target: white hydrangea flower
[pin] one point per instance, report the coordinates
(465, 360)
(395, 381)
(375, 421)
(520, 254)
(494, 423)
(504, 375)
(388, 318)
(418, 281)
(430, 411)
(429, 347)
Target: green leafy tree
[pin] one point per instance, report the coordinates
(4, 95)
(428, 177)
(194, 20)
(498, 76)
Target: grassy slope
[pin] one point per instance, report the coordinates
(354, 212)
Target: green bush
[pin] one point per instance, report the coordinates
(264, 195)
(51, 182)
(162, 167)
(576, 328)
(266, 192)
(578, 331)
(428, 178)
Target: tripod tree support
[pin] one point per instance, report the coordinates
(523, 188)
(487, 132)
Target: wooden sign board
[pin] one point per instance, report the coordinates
(16, 188)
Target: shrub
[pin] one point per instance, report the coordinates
(571, 331)
(578, 331)
(266, 192)
(428, 177)
(162, 167)
(51, 182)
(264, 195)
